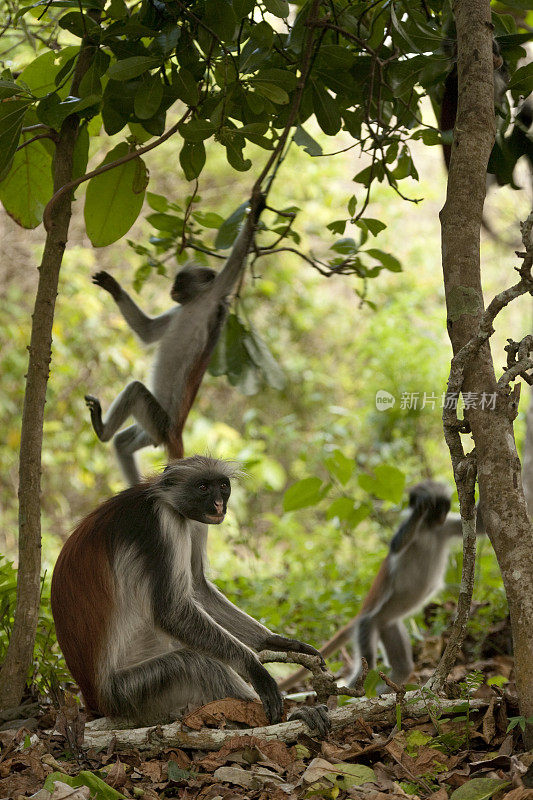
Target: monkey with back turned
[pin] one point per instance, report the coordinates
(410, 574)
(143, 631)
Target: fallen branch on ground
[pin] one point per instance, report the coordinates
(100, 733)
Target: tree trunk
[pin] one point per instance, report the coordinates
(20, 651)
(527, 456)
(498, 467)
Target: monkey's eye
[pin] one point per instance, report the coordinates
(224, 485)
(202, 487)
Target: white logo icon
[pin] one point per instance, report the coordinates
(384, 400)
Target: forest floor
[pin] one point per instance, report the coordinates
(474, 754)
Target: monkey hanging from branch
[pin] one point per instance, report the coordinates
(410, 574)
(143, 631)
(187, 335)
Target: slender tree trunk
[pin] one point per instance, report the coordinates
(527, 456)
(498, 466)
(20, 651)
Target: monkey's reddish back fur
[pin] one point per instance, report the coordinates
(83, 581)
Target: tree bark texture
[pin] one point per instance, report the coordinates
(498, 466)
(20, 651)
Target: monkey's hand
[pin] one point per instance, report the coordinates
(107, 282)
(267, 689)
(93, 404)
(284, 645)
(315, 717)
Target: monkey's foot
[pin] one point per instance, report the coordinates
(315, 717)
(93, 404)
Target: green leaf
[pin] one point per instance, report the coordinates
(302, 139)
(342, 508)
(81, 152)
(346, 246)
(208, 219)
(165, 222)
(40, 73)
(192, 159)
(197, 130)
(523, 79)
(478, 789)
(129, 68)
(326, 111)
(175, 773)
(387, 484)
(301, 494)
(9, 89)
(52, 111)
(353, 775)
(28, 186)
(100, 790)
(241, 8)
(270, 90)
(235, 158)
(11, 120)
(340, 466)
(157, 201)
(280, 8)
(148, 97)
(114, 199)
(375, 226)
(220, 18)
(389, 261)
(185, 86)
(227, 233)
(79, 24)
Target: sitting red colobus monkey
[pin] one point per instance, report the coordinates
(143, 632)
(410, 574)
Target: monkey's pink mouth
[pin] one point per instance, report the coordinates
(216, 518)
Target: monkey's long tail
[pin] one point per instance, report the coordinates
(336, 641)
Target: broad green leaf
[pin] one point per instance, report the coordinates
(9, 89)
(197, 130)
(303, 139)
(359, 514)
(185, 86)
(100, 790)
(40, 73)
(345, 246)
(326, 111)
(387, 483)
(79, 24)
(340, 466)
(208, 219)
(81, 152)
(114, 199)
(148, 97)
(342, 508)
(165, 222)
(52, 111)
(129, 68)
(157, 201)
(301, 494)
(523, 79)
(478, 789)
(281, 77)
(353, 775)
(219, 17)
(28, 186)
(235, 158)
(227, 233)
(271, 91)
(280, 8)
(192, 159)
(375, 226)
(241, 8)
(389, 261)
(11, 120)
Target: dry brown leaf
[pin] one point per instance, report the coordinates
(489, 722)
(442, 794)
(62, 791)
(218, 712)
(152, 770)
(519, 794)
(116, 777)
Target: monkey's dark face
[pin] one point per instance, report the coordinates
(205, 500)
(190, 282)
